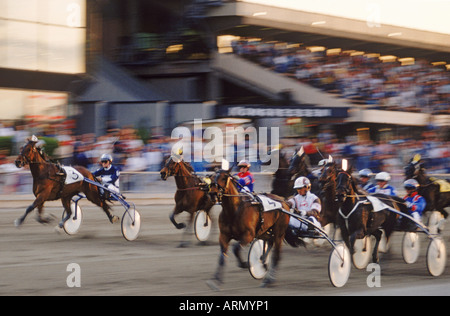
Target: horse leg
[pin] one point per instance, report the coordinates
(237, 252)
(66, 205)
(218, 276)
(112, 218)
(172, 218)
(187, 234)
(94, 197)
(269, 279)
(247, 237)
(377, 234)
(39, 202)
(40, 217)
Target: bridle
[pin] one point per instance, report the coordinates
(23, 160)
(344, 190)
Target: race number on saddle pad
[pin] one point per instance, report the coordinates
(72, 175)
(269, 204)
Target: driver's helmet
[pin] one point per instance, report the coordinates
(411, 184)
(244, 163)
(365, 173)
(302, 182)
(383, 176)
(106, 157)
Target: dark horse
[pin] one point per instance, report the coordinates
(357, 218)
(49, 184)
(429, 188)
(243, 220)
(288, 171)
(192, 192)
(327, 193)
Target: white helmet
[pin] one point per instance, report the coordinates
(365, 173)
(383, 176)
(302, 182)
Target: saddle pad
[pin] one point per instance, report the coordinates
(377, 204)
(72, 175)
(269, 204)
(444, 185)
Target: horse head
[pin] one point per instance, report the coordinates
(345, 185)
(223, 175)
(298, 165)
(29, 153)
(175, 165)
(329, 172)
(414, 167)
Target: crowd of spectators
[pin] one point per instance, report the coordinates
(383, 155)
(132, 155)
(415, 86)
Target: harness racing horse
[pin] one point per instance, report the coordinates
(357, 218)
(49, 184)
(327, 194)
(243, 219)
(282, 182)
(192, 192)
(287, 172)
(429, 188)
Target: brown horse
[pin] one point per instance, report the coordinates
(192, 192)
(243, 220)
(49, 184)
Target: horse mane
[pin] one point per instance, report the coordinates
(188, 166)
(44, 155)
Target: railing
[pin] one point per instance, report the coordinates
(150, 182)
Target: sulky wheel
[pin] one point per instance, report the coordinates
(202, 226)
(339, 265)
(72, 225)
(436, 257)
(259, 257)
(131, 224)
(363, 252)
(410, 247)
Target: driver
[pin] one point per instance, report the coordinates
(306, 204)
(245, 177)
(108, 175)
(382, 179)
(416, 203)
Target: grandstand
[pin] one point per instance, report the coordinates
(191, 53)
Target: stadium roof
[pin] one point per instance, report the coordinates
(273, 23)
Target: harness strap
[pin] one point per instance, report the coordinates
(346, 217)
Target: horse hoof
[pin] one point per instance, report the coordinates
(268, 282)
(213, 285)
(181, 226)
(46, 220)
(58, 229)
(184, 244)
(18, 222)
(243, 265)
(114, 219)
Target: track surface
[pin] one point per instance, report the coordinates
(34, 261)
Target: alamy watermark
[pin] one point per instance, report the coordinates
(74, 278)
(234, 144)
(374, 278)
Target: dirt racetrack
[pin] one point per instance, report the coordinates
(34, 260)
